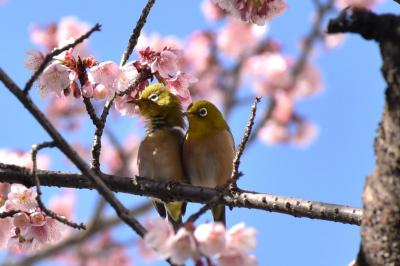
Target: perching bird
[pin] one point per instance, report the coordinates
(208, 149)
(160, 152)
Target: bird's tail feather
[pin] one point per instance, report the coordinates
(218, 212)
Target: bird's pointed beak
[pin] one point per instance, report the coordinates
(187, 113)
(135, 101)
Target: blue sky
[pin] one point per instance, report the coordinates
(332, 169)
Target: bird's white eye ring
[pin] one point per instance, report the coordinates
(203, 112)
(153, 97)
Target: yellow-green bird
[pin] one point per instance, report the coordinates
(160, 152)
(208, 149)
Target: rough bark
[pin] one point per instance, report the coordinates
(380, 226)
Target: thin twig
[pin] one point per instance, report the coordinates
(185, 192)
(231, 183)
(8, 213)
(91, 111)
(240, 149)
(136, 32)
(96, 147)
(56, 52)
(266, 116)
(145, 74)
(35, 150)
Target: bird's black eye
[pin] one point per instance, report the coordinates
(203, 112)
(153, 97)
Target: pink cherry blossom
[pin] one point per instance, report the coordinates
(65, 113)
(128, 76)
(305, 133)
(267, 65)
(242, 237)
(357, 3)
(5, 231)
(71, 27)
(21, 198)
(210, 238)
(198, 50)
(254, 11)
(64, 204)
(4, 190)
(165, 64)
(157, 43)
(21, 220)
(273, 133)
(179, 85)
(182, 246)
(284, 107)
(158, 236)
(211, 11)
(106, 74)
(23, 159)
(44, 36)
(145, 252)
(125, 106)
(87, 90)
(207, 86)
(232, 256)
(308, 82)
(55, 35)
(54, 79)
(245, 37)
(332, 41)
(100, 92)
(34, 60)
(42, 231)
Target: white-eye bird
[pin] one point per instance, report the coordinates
(208, 149)
(160, 152)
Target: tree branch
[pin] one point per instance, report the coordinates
(136, 31)
(56, 52)
(370, 26)
(184, 192)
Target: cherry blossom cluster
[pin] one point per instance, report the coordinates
(272, 75)
(71, 74)
(163, 63)
(101, 250)
(254, 11)
(30, 229)
(228, 247)
(67, 75)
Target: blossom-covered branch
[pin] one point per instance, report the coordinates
(47, 59)
(174, 191)
(71, 153)
(78, 238)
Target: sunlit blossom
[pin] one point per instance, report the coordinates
(54, 79)
(254, 11)
(211, 238)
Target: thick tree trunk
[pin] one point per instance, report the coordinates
(380, 231)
